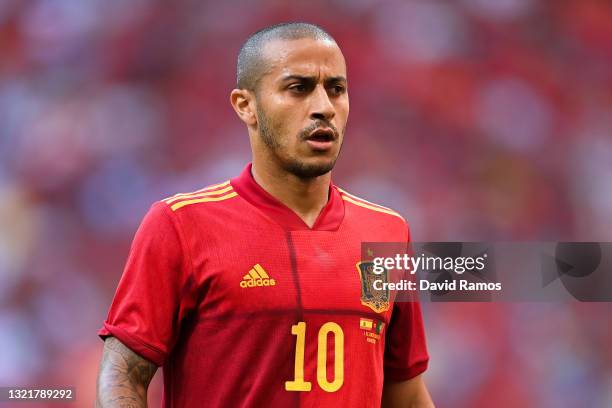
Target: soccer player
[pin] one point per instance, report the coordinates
(250, 292)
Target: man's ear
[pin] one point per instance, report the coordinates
(243, 102)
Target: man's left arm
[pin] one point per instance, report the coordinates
(411, 393)
(406, 358)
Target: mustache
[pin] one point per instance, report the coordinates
(319, 123)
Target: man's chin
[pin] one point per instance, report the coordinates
(309, 170)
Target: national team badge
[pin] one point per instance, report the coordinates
(377, 300)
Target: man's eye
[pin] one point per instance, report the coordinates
(298, 88)
(338, 89)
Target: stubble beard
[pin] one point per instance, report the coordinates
(292, 165)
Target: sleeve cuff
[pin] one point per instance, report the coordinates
(403, 374)
(134, 343)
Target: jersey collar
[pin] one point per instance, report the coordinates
(328, 220)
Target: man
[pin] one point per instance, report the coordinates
(249, 292)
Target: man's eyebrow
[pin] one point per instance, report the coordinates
(304, 78)
(307, 78)
(336, 79)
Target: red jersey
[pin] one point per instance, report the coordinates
(244, 305)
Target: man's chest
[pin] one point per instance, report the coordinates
(264, 271)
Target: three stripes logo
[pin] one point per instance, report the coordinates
(257, 276)
(217, 192)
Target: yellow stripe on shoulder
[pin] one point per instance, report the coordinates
(181, 204)
(354, 197)
(179, 196)
(367, 204)
(201, 195)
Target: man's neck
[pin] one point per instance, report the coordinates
(305, 197)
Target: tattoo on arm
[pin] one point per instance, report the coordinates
(123, 378)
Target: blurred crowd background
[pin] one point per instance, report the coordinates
(476, 119)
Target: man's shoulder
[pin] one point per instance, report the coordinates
(369, 210)
(209, 197)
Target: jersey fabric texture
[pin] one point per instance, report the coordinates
(244, 305)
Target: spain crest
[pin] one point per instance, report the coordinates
(377, 300)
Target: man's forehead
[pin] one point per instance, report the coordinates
(303, 56)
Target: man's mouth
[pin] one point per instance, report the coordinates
(322, 135)
(321, 139)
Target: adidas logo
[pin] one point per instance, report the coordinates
(257, 276)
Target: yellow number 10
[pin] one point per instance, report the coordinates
(298, 384)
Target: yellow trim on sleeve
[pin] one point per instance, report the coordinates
(176, 206)
(185, 195)
(363, 200)
(202, 194)
(371, 207)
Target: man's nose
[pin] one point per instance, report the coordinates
(322, 107)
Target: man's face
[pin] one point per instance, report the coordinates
(302, 105)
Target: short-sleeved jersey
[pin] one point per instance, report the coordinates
(244, 305)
